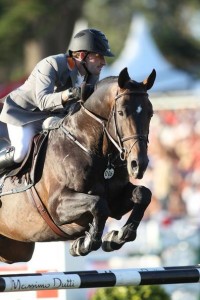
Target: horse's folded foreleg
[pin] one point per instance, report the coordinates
(114, 240)
(91, 241)
(99, 211)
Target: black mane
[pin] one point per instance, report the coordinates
(108, 80)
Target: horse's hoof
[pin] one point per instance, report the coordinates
(75, 247)
(127, 234)
(110, 242)
(84, 245)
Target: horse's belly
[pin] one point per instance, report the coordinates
(20, 220)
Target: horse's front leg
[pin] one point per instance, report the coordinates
(76, 208)
(137, 199)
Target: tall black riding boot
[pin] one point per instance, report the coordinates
(6, 158)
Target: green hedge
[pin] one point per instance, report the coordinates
(153, 292)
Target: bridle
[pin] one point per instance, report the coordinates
(120, 140)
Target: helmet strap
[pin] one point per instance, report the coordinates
(83, 62)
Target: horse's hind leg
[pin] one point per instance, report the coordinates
(12, 251)
(139, 197)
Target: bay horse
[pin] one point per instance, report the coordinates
(89, 159)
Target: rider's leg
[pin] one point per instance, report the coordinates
(20, 138)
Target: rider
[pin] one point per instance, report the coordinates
(54, 83)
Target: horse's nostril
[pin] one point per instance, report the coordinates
(133, 164)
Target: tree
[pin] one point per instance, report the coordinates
(49, 23)
(174, 34)
(170, 22)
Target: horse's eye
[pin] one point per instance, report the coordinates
(120, 112)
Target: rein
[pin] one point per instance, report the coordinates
(73, 138)
(137, 137)
(102, 122)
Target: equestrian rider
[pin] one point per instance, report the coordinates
(54, 83)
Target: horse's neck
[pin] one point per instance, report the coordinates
(100, 103)
(85, 130)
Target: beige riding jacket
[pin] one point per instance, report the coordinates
(40, 95)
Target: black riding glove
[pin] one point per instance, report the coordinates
(71, 94)
(74, 93)
(77, 93)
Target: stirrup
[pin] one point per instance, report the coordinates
(6, 158)
(4, 143)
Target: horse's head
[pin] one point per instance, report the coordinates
(129, 123)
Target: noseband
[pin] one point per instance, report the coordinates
(120, 140)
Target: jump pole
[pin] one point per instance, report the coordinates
(100, 278)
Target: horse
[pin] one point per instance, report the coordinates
(85, 175)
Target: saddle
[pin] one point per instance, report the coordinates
(26, 174)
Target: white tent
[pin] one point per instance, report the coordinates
(141, 55)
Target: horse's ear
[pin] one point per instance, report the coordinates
(149, 81)
(123, 78)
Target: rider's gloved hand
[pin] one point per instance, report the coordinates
(73, 93)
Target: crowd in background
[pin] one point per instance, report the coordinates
(173, 174)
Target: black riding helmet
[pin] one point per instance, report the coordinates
(91, 40)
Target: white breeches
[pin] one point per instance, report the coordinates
(21, 137)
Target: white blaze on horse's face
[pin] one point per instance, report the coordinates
(139, 109)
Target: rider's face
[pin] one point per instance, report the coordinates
(94, 63)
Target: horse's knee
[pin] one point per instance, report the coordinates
(142, 195)
(100, 209)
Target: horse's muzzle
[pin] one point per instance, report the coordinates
(137, 167)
